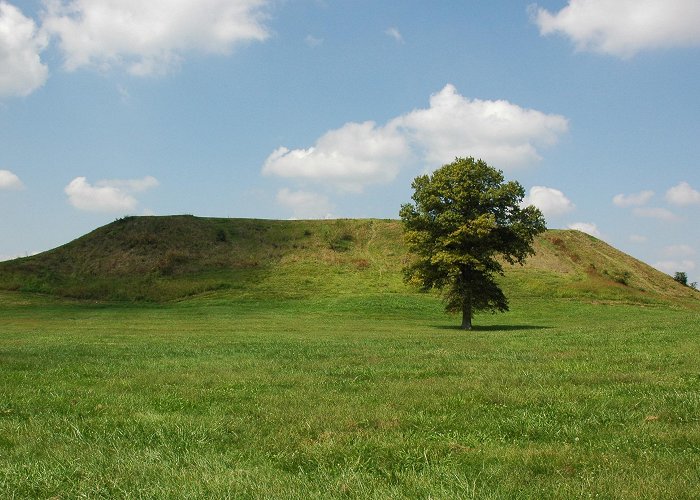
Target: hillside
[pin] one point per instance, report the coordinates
(167, 258)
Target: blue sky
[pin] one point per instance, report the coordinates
(328, 108)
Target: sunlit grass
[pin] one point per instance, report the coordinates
(353, 395)
(161, 259)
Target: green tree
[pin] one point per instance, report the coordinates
(465, 222)
(681, 278)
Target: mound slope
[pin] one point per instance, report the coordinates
(173, 257)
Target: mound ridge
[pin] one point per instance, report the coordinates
(174, 257)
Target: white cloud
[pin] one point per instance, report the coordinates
(21, 69)
(305, 205)
(395, 34)
(633, 200)
(683, 194)
(673, 266)
(150, 37)
(623, 27)
(312, 41)
(131, 185)
(636, 238)
(678, 251)
(586, 227)
(359, 154)
(350, 157)
(656, 213)
(9, 180)
(551, 202)
(107, 195)
(498, 132)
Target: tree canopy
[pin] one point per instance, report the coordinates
(681, 277)
(466, 220)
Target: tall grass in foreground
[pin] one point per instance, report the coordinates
(361, 396)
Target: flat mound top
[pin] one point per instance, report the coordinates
(172, 257)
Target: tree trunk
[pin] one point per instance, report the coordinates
(467, 313)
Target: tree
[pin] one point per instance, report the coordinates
(681, 278)
(465, 221)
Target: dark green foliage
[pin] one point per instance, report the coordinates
(621, 277)
(339, 235)
(466, 218)
(681, 278)
(342, 243)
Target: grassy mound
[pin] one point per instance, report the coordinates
(167, 258)
(572, 264)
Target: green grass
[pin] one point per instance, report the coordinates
(158, 259)
(181, 357)
(161, 259)
(346, 395)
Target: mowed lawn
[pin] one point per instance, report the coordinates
(359, 396)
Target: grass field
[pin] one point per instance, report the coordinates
(347, 396)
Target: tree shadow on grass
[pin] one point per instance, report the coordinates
(493, 328)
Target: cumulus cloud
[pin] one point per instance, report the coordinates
(313, 41)
(359, 154)
(678, 251)
(586, 227)
(395, 34)
(21, 69)
(304, 204)
(150, 37)
(662, 214)
(107, 195)
(673, 266)
(633, 200)
(498, 132)
(623, 27)
(683, 194)
(132, 185)
(9, 180)
(550, 201)
(350, 157)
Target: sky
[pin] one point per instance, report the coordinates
(330, 108)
